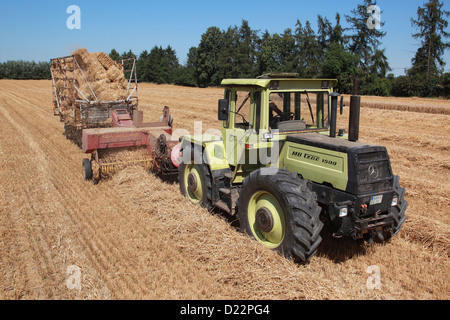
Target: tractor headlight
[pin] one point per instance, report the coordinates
(394, 202)
(343, 212)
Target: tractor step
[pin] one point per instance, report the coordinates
(222, 206)
(229, 175)
(228, 199)
(225, 191)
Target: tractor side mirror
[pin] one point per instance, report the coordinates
(223, 109)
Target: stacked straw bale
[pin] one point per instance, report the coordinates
(104, 76)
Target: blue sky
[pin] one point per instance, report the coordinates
(36, 30)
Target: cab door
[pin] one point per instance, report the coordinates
(243, 125)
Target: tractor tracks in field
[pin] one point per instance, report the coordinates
(105, 251)
(125, 252)
(89, 230)
(101, 251)
(39, 263)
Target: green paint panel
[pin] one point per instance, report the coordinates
(315, 164)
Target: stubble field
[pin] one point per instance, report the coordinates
(135, 237)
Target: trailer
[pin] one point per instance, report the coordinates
(76, 101)
(112, 132)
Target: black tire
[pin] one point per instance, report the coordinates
(302, 226)
(398, 211)
(202, 177)
(87, 170)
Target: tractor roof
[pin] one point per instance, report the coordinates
(306, 84)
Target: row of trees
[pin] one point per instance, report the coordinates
(331, 51)
(159, 66)
(426, 77)
(25, 70)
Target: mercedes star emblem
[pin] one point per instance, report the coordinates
(373, 172)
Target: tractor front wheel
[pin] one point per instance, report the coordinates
(281, 212)
(195, 183)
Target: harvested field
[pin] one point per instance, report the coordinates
(420, 105)
(135, 237)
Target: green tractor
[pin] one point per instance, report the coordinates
(282, 168)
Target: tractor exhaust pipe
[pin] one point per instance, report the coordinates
(355, 111)
(333, 115)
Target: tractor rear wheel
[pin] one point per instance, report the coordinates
(195, 183)
(281, 212)
(86, 169)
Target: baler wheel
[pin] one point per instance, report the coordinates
(86, 169)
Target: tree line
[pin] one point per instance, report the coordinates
(25, 70)
(331, 51)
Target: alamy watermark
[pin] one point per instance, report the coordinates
(374, 281)
(374, 21)
(74, 280)
(74, 20)
(236, 148)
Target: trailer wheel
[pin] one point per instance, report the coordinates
(281, 212)
(86, 169)
(195, 183)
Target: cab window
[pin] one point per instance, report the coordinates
(248, 110)
(297, 111)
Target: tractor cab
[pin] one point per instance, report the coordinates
(270, 107)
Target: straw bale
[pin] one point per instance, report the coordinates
(105, 77)
(105, 60)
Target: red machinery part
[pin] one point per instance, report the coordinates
(126, 133)
(107, 138)
(121, 118)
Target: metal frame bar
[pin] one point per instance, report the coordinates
(82, 73)
(55, 93)
(132, 78)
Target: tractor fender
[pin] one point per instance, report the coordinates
(211, 148)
